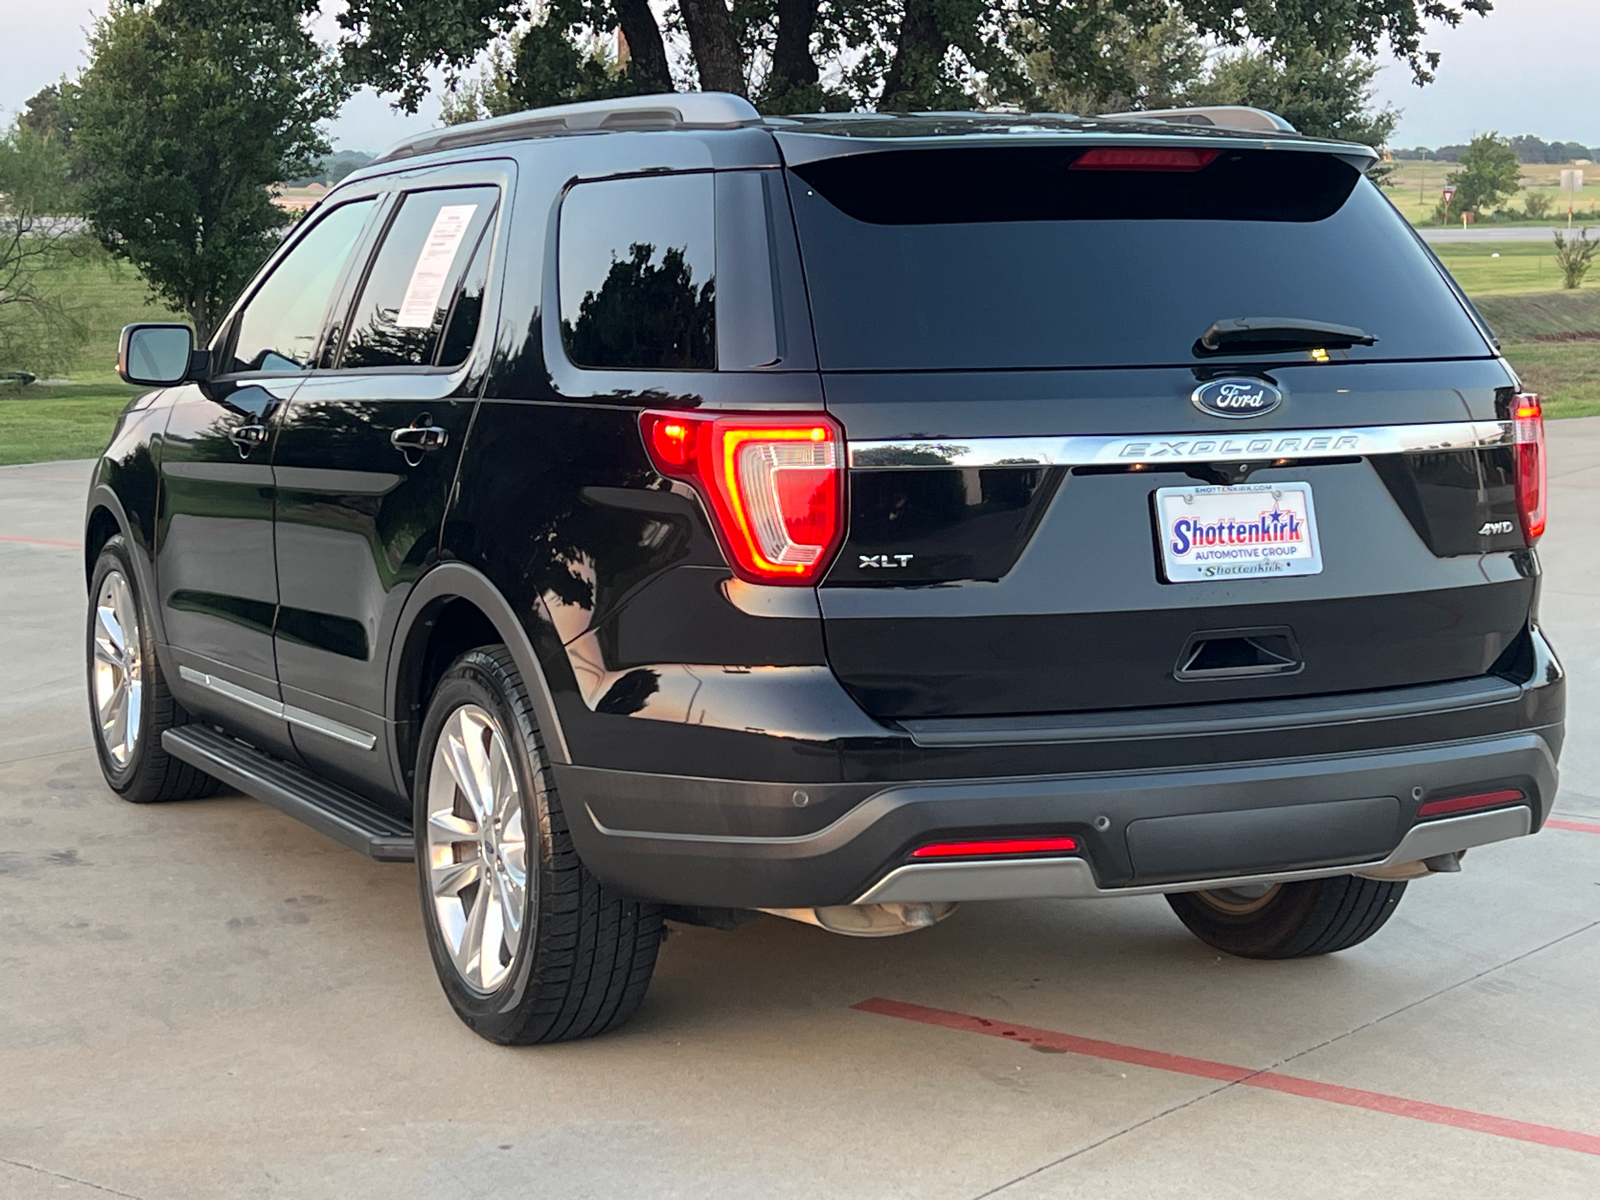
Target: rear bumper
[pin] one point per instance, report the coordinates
(1154, 831)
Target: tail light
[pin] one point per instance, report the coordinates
(994, 847)
(1531, 468)
(1144, 158)
(774, 485)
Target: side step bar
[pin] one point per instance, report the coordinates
(341, 815)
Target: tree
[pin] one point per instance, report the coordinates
(1488, 175)
(188, 112)
(888, 54)
(39, 326)
(1320, 95)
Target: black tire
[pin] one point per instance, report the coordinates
(148, 773)
(585, 953)
(1292, 920)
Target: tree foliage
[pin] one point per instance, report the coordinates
(39, 326)
(188, 112)
(1488, 175)
(805, 55)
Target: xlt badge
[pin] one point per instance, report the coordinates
(1236, 397)
(884, 560)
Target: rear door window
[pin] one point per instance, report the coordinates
(419, 304)
(996, 257)
(637, 271)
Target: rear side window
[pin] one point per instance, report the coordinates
(415, 284)
(278, 329)
(994, 257)
(637, 273)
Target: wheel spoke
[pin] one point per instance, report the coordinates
(450, 878)
(106, 618)
(458, 829)
(493, 935)
(468, 958)
(459, 757)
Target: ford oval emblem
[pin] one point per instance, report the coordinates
(1236, 397)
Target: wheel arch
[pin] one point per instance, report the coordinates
(106, 518)
(452, 609)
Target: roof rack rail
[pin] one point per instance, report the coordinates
(1224, 116)
(668, 110)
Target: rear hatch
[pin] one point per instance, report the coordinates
(1062, 500)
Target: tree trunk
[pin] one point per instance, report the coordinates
(716, 49)
(914, 76)
(200, 314)
(647, 55)
(791, 56)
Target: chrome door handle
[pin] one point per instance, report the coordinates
(416, 438)
(247, 437)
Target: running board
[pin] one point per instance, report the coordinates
(330, 810)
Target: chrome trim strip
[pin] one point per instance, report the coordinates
(1122, 450)
(328, 727)
(1073, 878)
(304, 718)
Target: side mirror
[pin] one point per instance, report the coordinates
(155, 355)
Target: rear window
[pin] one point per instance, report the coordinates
(1001, 257)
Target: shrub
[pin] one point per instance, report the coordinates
(1537, 205)
(1573, 255)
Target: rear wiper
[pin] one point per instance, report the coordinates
(1264, 335)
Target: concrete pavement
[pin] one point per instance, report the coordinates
(209, 1000)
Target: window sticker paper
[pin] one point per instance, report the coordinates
(428, 277)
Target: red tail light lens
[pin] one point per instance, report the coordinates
(1140, 158)
(1528, 417)
(994, 846)
(775, 486)
(1440, 808)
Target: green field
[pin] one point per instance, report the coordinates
(40, 423)
(1552, 337)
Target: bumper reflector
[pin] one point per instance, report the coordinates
(997, 846)
(1439, 808)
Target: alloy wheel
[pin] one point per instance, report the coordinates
(1243, 900)
(118, 669)
(477, 848)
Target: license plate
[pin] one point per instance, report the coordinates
(1251, 531)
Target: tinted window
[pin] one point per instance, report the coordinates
(1011, 257)
(461, 326)
(638, 273)
(277, 331)
(415, 276)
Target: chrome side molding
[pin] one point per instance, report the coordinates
(1098, 450)
(302, 717)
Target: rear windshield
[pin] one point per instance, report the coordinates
(1002, 257)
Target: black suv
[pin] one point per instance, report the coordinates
(644, 509)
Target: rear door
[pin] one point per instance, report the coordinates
(1012, 344)
(366, 456)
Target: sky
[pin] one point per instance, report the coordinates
(1529, 67)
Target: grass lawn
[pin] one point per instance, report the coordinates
(1499, 268)
(1565, 374)
(74, 420)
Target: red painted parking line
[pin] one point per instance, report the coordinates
(1575, 826)
(27, 541)
(1399, 1106)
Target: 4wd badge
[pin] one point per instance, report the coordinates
(1236, 397)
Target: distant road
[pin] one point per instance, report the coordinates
(1488, 233)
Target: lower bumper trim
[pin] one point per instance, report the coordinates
(1073, 878)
